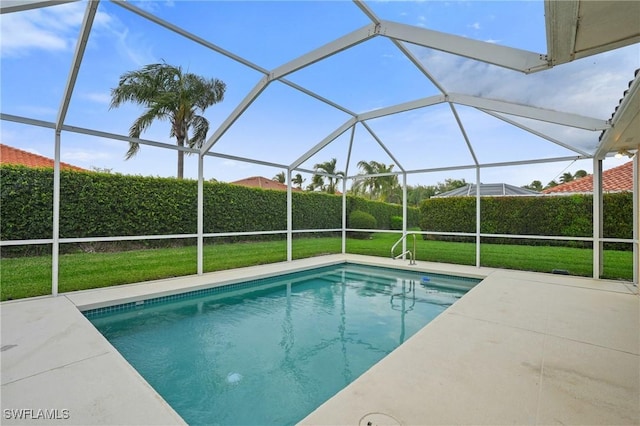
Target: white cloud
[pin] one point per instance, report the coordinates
(492, 41)
(51, 28)
(85, 156)
(38, 111)
(98, 97)
(132, 47)
(237, 164)
(475, 25)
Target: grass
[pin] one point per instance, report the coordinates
(31, 276)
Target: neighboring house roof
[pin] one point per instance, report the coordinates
(617, 179)
(11, 155)
(262, 182)
(488, 190)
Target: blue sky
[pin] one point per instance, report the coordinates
(37, 47)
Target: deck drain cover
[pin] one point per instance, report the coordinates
(378, 419)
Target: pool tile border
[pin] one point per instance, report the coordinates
(121, 307)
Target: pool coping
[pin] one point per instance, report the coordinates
(52, 346)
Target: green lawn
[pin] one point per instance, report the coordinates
(31, 276)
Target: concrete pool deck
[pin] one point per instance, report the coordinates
(519, 348)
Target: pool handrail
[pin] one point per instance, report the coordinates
(412, 255)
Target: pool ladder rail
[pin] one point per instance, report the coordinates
(412, 254)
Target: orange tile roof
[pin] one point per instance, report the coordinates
(11, 155)
(262, 182)
(617, 179)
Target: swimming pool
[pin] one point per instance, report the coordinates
(270, 351)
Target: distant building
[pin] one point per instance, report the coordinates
(617, 179)
(488, 190)
(11, 155)
(264, 183)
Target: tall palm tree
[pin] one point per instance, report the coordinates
(382, 188)
(168, 93)
(329, 167)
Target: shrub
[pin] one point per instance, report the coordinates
(396, 222)
(361, 220)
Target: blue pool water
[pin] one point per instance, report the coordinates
(273, 350)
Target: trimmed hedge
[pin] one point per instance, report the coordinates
(103, 205)
(569, 216)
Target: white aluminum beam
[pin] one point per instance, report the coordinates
(464, 134)
(403, 107)
(636, 218)
(626, 115)
(503, 164)
(85, 30)
(535, 132)
(329, 49)
(235, 114)
(200, 217)
(107, 135)
(503, 56)
(538, 161)
(316, 96)
(245, 160)
(25, 120)
(540, 114)
(383, 146)
(344, 193)
(562, 27)
(10, 6)
(367, 11)
(326, 141)
(416, 62)
(289, 218)
(478, 217)
(55, 246)
(597, 219)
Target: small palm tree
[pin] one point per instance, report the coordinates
(280, 177)
(298, 180)
(317, 182)
(566, 177)
(329, 167)
(168, 93)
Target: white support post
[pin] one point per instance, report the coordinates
(55, 249)
(344, 215)
(478, 201)
(597, 218)
(200, 215)
(404, 214)
(636, 218)
(289, 218)
(344, 191)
